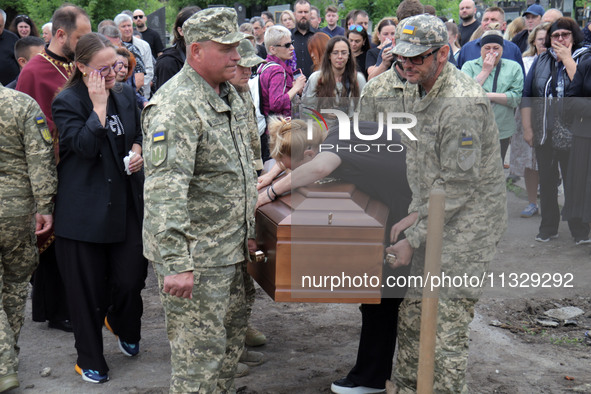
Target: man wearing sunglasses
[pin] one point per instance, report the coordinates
(149, 35)
(459, 154)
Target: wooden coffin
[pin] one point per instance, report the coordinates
(315, 235)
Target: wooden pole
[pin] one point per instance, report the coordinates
(430, 300)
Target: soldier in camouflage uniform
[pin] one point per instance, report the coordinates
(29, 183)
(249, 59)
(199, 204)
(382, 93)
(457, 151)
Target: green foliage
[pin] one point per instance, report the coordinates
(41, 11)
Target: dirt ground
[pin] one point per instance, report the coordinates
(310, 345)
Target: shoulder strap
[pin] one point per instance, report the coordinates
(269, 64)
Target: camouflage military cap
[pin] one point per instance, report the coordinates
(248, 56)
(219, 24)
(419, 33)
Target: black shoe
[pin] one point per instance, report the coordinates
(345, 386)
(64, 325)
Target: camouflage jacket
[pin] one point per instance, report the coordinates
(253, 130)
(458, 151)
(200, 186)
(28, 178)
(381, 94)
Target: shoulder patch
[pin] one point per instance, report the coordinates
(159, 148)
(466, 152)
(43, 130)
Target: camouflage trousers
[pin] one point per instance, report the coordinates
(206, 333)
(249, 290)
(18, 259)
(455, 312)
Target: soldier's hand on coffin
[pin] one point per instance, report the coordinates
(179, 285)
(403, 252)
(43, 223)
(402, 225)
(252, 246)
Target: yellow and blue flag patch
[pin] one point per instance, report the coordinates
(43, 130)
(158, 136)
(408, 29)
(466, 141)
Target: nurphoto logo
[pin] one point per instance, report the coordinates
(344, 124)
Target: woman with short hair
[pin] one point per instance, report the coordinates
(278, 87)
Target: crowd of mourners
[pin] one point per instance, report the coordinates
(92, 88)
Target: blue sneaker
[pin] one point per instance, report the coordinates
(129, 349)
(529, 211)
(89, 375)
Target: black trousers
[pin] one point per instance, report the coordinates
(549, 160)
(49, 293)
(103, 280)
(377, 342)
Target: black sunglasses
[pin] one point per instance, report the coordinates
(138, 16)
(416, 60)
(23, 17)
(286, 45)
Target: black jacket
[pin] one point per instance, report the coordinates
(167, 65)
(92, 196)
(544, 110)
(578, 107)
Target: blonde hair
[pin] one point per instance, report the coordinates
(516, 26)
(289, 138)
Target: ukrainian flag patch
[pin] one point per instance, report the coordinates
(466, 141)
(408, 29)
(40, 120)
(159, 136)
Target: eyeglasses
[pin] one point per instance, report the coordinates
(342, 53)
(416, 60)
(25, 17)
(358, 28)
(105, 71)
(287, 45)
(564, 35)
(138, 16)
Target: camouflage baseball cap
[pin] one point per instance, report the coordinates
(219, 24)
(248, 55)
(419, 33)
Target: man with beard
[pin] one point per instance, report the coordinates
(469, 22)
(458, 154)
(42, 78)
(301, 34)
(148, 35)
